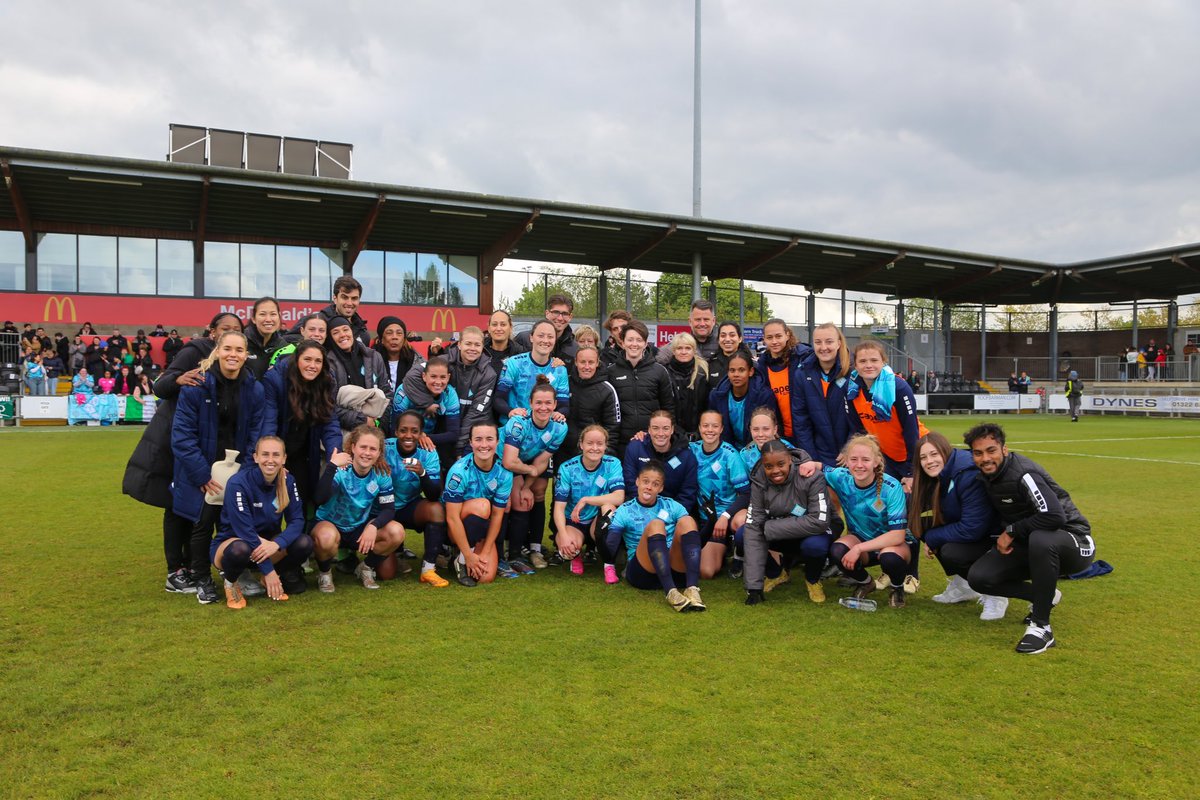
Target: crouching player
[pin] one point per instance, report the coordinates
(661, 542)
(478, 488)
(592, 485)
(257, 500)
(416, 472)
(724, 492)
(345, 497)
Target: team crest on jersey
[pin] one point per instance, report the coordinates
(492, 484)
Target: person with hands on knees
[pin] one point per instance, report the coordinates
(529, 443)
(346, 497)
(876, 512)
(763, 427)
(591, 485)
(478, 489)
(416, 472)
(662, 545)
(789, 514)
(257, 500)
(724, 493)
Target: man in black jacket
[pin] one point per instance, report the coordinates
(1045, 536)
(347, 295)
(702, 320)
(559, 310)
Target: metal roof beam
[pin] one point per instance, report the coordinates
(362, 232)
(641, 249)
(942, 290)
(846, 278)
(1181, 261)
(1126, 289)
(18, 201)
(746, 267)
(494, 254)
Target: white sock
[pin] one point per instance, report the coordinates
(426, 566)
(537, 548)
(461, 559)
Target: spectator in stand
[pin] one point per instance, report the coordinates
(142, 362)
(499, 344)
(1160, 364)
(9, 327)
(62, 347)
(87, 330)
(35, 374)
(1014, 383)
(360, 377)
(54, 367)
(263, 336)
(1023, 383)
(1131, 364)
(144, 388)
(116, 343)
(27, 333)
(347, 294)
(83, 384)
(158, 332)
(701, 319)
(107, 382)
(932, 384)
(1168, 366)
(914, 380)
(391, 342)
(559, 310)
(1148, 356)
(125, 380)
(172, 345)
(41, 342)
(138, 340)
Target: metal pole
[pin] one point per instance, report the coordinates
(810, 311)
(899, 323)
(628, 292)
(982, 342)
(696, 151)
(1135, 321)
(1053, 343)
(843, 309)
(934, 360)
(946, 309)
(741, 303)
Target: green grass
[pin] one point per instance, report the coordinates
(553, 686)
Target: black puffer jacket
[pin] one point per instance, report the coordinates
(258, 352)
(497, 356)
(593, 402)
(641, 390)
(718, 365)
(691, 396)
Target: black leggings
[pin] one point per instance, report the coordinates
(201, 539)
(1031, 571)
(956, 558)
(236, 557)
(177, 535)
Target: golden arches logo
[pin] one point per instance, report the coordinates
(444, 320)
(60, 304)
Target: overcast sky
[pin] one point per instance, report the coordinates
(1057, 130)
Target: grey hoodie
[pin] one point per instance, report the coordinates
(475, 384)
(795, 510)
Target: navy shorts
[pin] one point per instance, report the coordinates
(349, 539)
(639, 577)
(407, 515)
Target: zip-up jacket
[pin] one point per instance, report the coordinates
(1027, 499)
(249, 514)
(797, 509)
(357, 324)
(259, 353)
(474, 383)
(681, 483)
(819, 423)
(277, 417)
(967, 514)
(375, 373)
(593, 401)
(642, 390)
(758, 394)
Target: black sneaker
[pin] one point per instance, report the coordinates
(1037, 639)
(896, 598)
(464, 577)
(521, 566)
(406, 553)
(180, 582)
(556, 559)
(293, 582)
(754, 597)
(347, 565)
(736, 568)
(206, 592)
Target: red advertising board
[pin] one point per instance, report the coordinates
(667, 332)
(67, 312)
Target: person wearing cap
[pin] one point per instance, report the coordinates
(360, 377)
(1074, 392)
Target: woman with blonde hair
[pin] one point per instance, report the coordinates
(819, 423)
(689, 376)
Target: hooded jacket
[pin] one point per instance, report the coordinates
(819, 422)
(758, 394)
(797, 509)
(258, 352)
(357, 324)
(474, 383)
(641, 390)
(1027, 499)
(375, 374)
(967, 514)
(277, 417)
(680, 484)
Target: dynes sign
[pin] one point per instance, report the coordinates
(1163, 404)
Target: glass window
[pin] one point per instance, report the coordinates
(326, 268)
(369, 271)
(258, 270)
(56, 257)
(135, 264)
(291, 273)
(176, 267)
(431, 279)
(98, 264)
(12, 261)
(464, 281)
(220, 269)
(400, 280)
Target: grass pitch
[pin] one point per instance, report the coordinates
(556, 686)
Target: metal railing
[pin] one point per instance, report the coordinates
(1181, 369)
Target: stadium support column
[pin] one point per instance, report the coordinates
(1053, 342)
(899, 320)
(1172, 322)
(843, 309)
(741, 303)
(602, 297)
(810, 312)
(696, 276)
(1135, 315)
(983, 341)
(946, 309)
(628, 290)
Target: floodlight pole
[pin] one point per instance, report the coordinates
(696, 151)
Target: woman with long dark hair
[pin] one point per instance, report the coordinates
(499, 343)
(729, 341)
(263, 335)
(779, 365)
(737, 395)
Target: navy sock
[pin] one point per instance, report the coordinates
(690, 544)
(324, 564)
(373, 560)
(297, 553)
(235, 559)
(660, 557)
(773, 569)
(518, 533)
(913, 567)
(837, 552)
(894, 566)
(435, 536)
(537, 525)
(738, 536)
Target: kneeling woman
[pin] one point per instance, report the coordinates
(592, 484)
(724, 493)
(442, 417)
(346, 496)
(661, 542)
(951, 513)
(876, 517)
(257, 500)
(416, 472)
(763, 426)
(529, 443)
(478, 488)
(789, 514)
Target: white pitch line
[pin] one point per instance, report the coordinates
(1080, 441)
(1117, 458)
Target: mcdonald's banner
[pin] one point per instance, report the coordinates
(67, 312)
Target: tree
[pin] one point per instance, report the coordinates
(673, 294)
(918, 314)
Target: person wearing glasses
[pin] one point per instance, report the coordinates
(560, 308)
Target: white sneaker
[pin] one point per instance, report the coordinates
(325, 582)
(882, 582)
(993, 607)
(366, 575)
(250, 587)
(957, 591)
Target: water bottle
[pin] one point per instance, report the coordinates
(864, 604)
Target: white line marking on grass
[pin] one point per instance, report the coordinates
(1117, 458)
(1080, 441)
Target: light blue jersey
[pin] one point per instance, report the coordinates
(751, 454)
(722, 475)
(448, 406)
(737, 416)
(863, 518)
(407, 484)
(531, 440)
(354, 497)
(466, 481)
(575, 482)
(633, 517)
(519, 376)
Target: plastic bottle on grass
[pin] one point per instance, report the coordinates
(856, 604)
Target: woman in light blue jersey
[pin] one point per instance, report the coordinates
(416, 472)
(478, 489)
(587, 489)
(724, 493)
